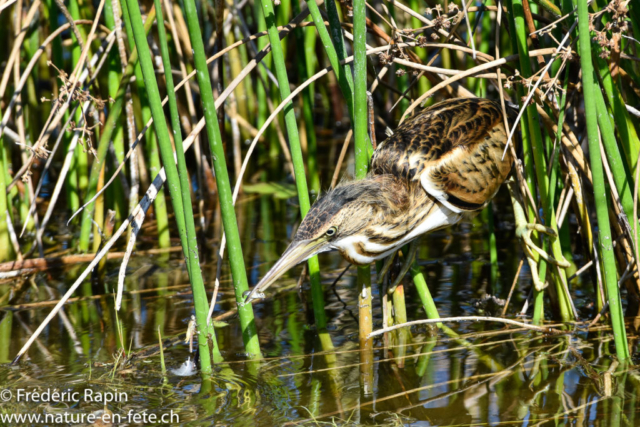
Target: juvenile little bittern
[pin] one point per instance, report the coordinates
(444, 164)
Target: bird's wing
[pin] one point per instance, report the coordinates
(454, 148)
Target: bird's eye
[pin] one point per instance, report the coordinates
(331, 231)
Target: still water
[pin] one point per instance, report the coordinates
(472, 374)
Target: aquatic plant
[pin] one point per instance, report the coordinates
(70, 113)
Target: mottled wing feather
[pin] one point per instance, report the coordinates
(454, 149)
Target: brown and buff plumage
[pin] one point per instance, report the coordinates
(442, 165)
(456, 147)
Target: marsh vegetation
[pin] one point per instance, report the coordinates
(156, 158)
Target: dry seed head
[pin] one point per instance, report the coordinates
(385, 58)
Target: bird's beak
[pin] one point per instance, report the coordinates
(297, 252)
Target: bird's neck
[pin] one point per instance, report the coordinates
(406, 212)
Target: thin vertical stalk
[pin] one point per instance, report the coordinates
(310, 37)
(189, 238)
(334, 47)
(82, 158)
(614, 157)
(71, 182)
(173, 180)
(538, 296)
(151, 145)
(423, 292)
(360, 144)
(6, 248)
(600, 192)
(113, 80)
(105, 138)
(296, 156)
(487, 215)
(537, 148)
(628, 135)
(98, 214)
(307, 105)
(229, 222)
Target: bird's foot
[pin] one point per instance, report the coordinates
(523, 232)
(532, 251)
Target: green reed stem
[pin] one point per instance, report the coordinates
(296, 155)
(103, 144)
(225, 197)
(537, 146)
(6, 248)
(549, 6)
(423, 292)
(263, 86)
(82, 158)
(538, 296)
(189, 238)
(113, 79)
(600, 190)
(150, 145)
(307, 105)
(310, 56)
(334, 47)
(614, 157)
(174, 181)
(493, 246)
(361, 125)
(627, 132)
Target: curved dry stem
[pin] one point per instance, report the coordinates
(471, 72)
(17, 45)
(551, 331)
(6, 115)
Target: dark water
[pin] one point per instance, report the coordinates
(473, 374)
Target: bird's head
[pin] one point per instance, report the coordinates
(349, 211)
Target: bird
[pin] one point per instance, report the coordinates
(441, 166)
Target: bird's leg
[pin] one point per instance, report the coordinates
(523, 232)
(406, 265)
(385, 267)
